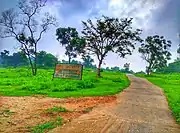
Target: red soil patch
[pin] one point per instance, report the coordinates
(30, 111)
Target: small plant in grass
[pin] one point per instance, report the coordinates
(57, 110)
(87, 110)
(47, 126)
(6, 112)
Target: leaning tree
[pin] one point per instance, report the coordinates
(110, 35)
(155, 51)
(27, 24)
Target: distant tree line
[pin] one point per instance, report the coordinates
(118, 69)
(47, 60)
(44, 60)
(99, 37)
(16, 59)
(171, 67)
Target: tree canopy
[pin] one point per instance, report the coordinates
(45, 59)
(87, 62)
(155, 51)
(14, 60)
(74, 44)
(110, 35)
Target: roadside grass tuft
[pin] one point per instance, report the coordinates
(6, 112)
(41, 128)
(87, 110)
(57, 110)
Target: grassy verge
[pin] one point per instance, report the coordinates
(170, 83)
(6, 112)
(47, 126)
(57, 110)
(20, 82)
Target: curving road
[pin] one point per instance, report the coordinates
(141, 108)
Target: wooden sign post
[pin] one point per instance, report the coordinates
(68, 71)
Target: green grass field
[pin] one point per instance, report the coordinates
(170, 83)
(20, 82)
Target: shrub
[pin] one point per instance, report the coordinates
(57, 110)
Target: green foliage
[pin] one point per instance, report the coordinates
(178, 50)
(20, 82)
(69, 38)
(172, 67)
(87, 62)
(127, 67)
(170, 84)
(140, 73)
(72, 62)
(109, 35)
(57, 110)
(118, 69)
(47, 126)
(155, 51)
(87, 110)
(14, 60)
(114, 68)
(45, 59)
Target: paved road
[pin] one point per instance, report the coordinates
(141, 108)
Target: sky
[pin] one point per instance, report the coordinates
(152, 16)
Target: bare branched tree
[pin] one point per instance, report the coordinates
(26, 25)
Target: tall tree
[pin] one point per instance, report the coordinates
(26, 27)
(126, 67)
(115, 68)
(178, 52)
(110, 35)
(75, 62)
(45, 59)
(4, 55)
(16, 59)
(69, 38)
(87, 61)
(108, 69)
(172, 67)
(155, 51)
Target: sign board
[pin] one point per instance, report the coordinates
(68, 71)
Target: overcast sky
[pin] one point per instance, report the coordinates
(152, 16)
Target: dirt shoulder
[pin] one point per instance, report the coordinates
(19, 113)
(141, 108)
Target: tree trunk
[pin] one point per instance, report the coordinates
(35, 60)
(32, 66)
(35, 68)
(148, 70)
(99, 69)
(69, 60)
